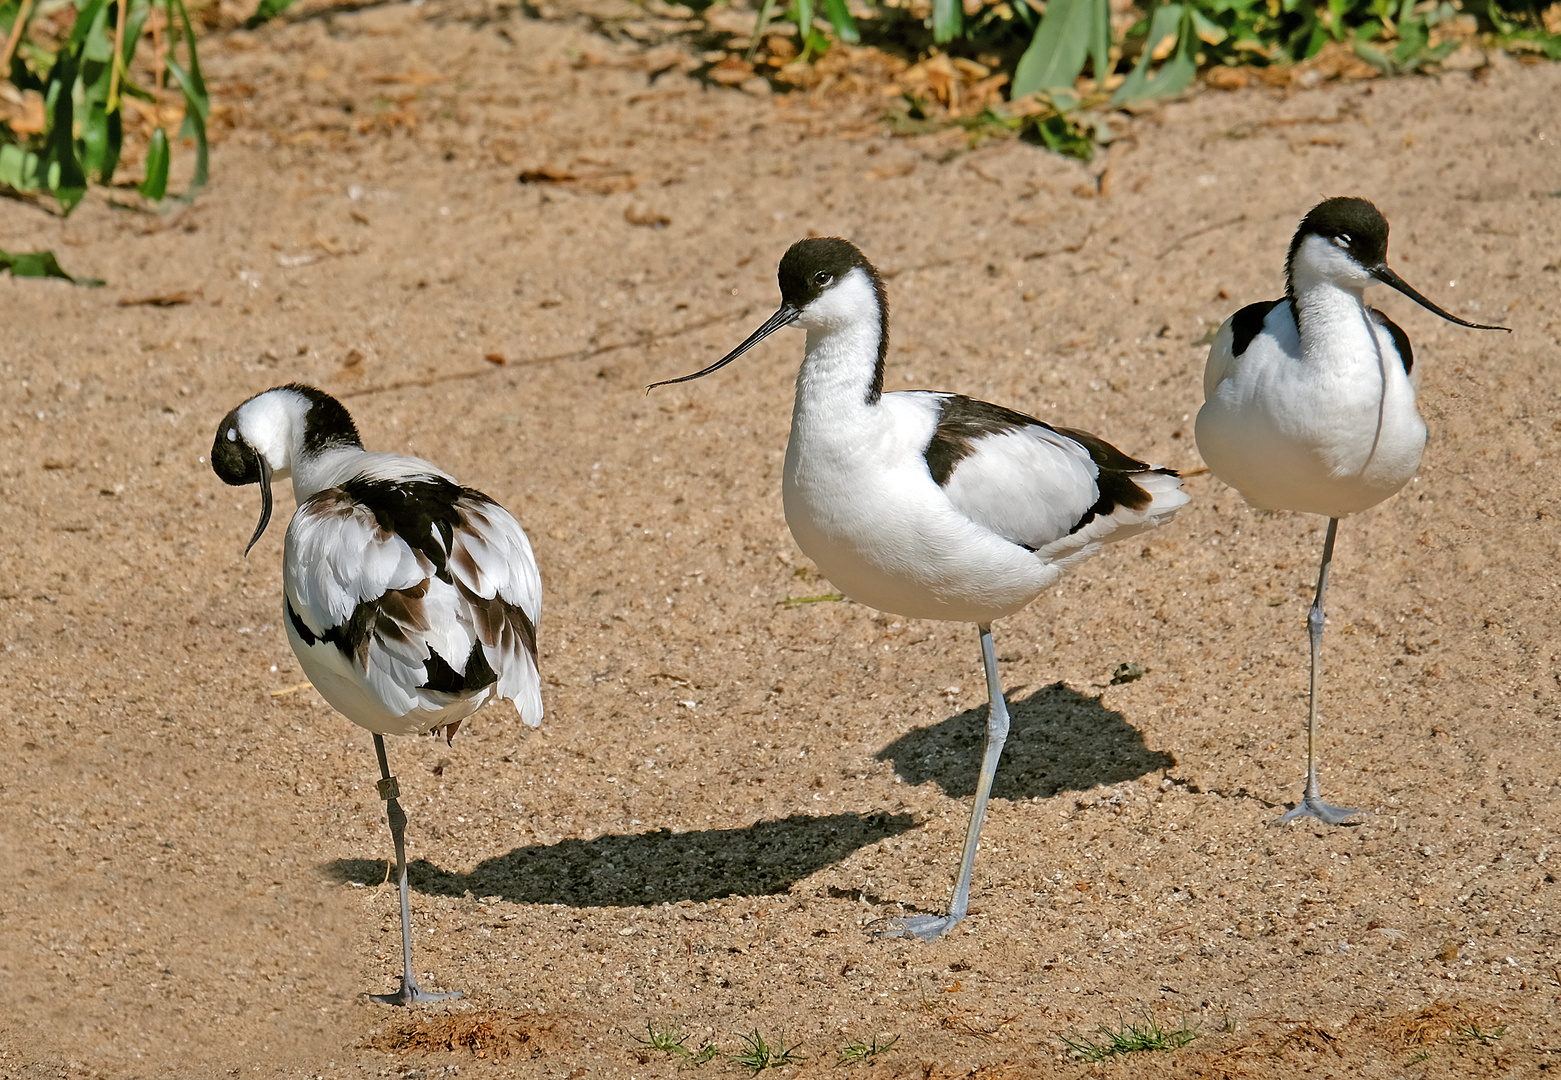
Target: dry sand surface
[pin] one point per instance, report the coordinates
(728, 788)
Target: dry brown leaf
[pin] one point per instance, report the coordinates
(641, 215)
(731, 71)
(172, 299)
(411, 78)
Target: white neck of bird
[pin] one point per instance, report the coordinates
(1327, 286)
(840, 367)
(314, 473)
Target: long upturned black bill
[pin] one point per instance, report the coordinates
(265, 501)
(784, 317)
(1384, 273)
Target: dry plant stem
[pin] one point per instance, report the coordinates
(16, 35)
(117, 70)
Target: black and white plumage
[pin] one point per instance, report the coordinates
(934, 505)
(1310, 400)
(410, 601)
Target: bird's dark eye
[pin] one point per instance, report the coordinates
(1344, 240)
(821, 277)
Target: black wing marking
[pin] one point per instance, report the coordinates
(1400, 339)
(421, 510)
(962, 422)
(1115, 479)
(1247, 323)
(399, 617)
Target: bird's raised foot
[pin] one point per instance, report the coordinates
(412, 994)
(1311, 806)
(924, 927)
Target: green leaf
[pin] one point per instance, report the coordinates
(1056, 54)
(268, 9)
(840, 19)
(61, 171)
(197, 103)
(948, 19)
(101, 133)
(1176, 73)
(83, 25)
(1376, 59)
(41, 264)
(804, 14)
(99, 41)
(155, 186)
(1209, 32)
(1061, 136)
(1337, 9)
(18, 167)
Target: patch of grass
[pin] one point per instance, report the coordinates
(40, 264)
(1473, 1032)
(856, 1051)
(1129, 1037)
(758, 1055)
(668, 1041)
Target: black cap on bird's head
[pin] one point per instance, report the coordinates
(292, 421)
(1358, 229)
(808, 270)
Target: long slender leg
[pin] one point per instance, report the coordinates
(410, 993)
(1311, 804)
(928, 927)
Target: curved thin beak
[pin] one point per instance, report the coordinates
(265, 501)
(784, 317)
(1384, 273)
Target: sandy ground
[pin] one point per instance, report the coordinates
(727, 788)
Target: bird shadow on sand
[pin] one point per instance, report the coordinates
(652, 868)
(1058, 740)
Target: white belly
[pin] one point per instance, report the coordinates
(887, 537)
(341, 684)
(1291, 437)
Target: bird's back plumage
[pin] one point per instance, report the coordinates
(412, 601)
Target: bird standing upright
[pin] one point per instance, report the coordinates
(1310, 401)
(933, 505)
(409, 600)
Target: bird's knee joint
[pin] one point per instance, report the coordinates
(1314, 619)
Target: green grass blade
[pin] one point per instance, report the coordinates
(1056, 55)
(268, 10)
(155, 186)
(840, 19)
(59, 167)
(83, 25)
(1100, 39)
(804, 18)
(948, 20)
(41, 264)
(766, 10)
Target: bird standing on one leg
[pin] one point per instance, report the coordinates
(409, 600)
(1310, 401)
(933, 505)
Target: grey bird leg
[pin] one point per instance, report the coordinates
(410, 993)
(1311, 804)
(929, 927)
